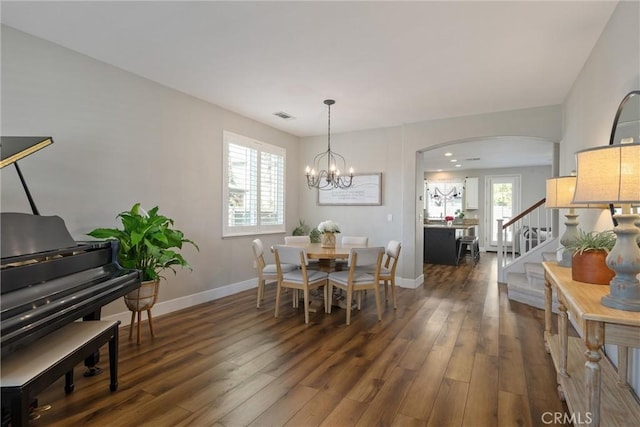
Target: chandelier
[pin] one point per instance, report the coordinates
(329, 178)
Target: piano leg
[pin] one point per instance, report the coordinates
(68, 382)
(91, 361)
(113, 361)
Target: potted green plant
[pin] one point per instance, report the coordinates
(304, 230)
(590, 250)
(149, 243)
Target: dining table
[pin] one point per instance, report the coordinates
(326, 262)
(326, 256)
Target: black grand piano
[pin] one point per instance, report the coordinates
(49, 280)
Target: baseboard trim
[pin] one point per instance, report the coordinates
(176, 304)
(170, 306)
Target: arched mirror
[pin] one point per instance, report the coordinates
(626, 125)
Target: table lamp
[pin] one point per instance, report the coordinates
(611, 174)
(559, 195)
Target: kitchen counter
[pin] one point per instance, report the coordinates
(441, 243)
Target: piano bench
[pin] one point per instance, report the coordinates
(29, 370)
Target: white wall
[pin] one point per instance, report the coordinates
(394, 152)
(368, 152)
(120, 139)
(612, 70)
(532, 188)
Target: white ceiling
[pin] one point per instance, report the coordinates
(489, 153)
(385, 63)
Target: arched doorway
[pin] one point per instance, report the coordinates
(524, 161)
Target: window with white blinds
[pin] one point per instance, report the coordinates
(253, 194)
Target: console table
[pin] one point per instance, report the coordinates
(595, 393)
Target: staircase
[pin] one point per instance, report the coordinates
(528, 287)
(524, 243)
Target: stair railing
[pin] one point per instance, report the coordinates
(522, 233)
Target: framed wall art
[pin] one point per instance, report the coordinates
(366, 190)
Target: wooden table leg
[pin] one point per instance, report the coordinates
(623, 365)
(563, 332)
(594, 338)
(548, 297)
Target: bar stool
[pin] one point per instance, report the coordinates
(470, 243)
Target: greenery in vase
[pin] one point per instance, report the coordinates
(147, 242)
(592, 241)
(304, 230)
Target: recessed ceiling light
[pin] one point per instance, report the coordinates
(439, 170)
(458, 166)
(448, 154)
(453, 160)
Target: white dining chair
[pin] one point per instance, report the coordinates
(297, 240)
(358, 280)
(387, 272)
(350, 241)
(354, 240)
(266, 272)
(299, 279)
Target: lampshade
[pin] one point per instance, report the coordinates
(560, 192)
(609, 174)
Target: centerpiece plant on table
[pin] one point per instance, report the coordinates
(328, 230)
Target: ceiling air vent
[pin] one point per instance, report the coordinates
(472, 159)
(283, 115)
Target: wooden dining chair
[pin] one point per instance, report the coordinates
(302, 240)
(388, 270)
(266, 272)
(297, 240)
(299, 279)
(357, 280)
(354, 240)
(341, 264)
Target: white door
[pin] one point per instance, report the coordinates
(503, 202)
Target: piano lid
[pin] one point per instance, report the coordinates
(14, 148)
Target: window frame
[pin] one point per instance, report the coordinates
(453, 182)
(260, 147)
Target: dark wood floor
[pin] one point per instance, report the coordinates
(455, 352)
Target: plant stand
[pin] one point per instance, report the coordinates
(142, 299)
